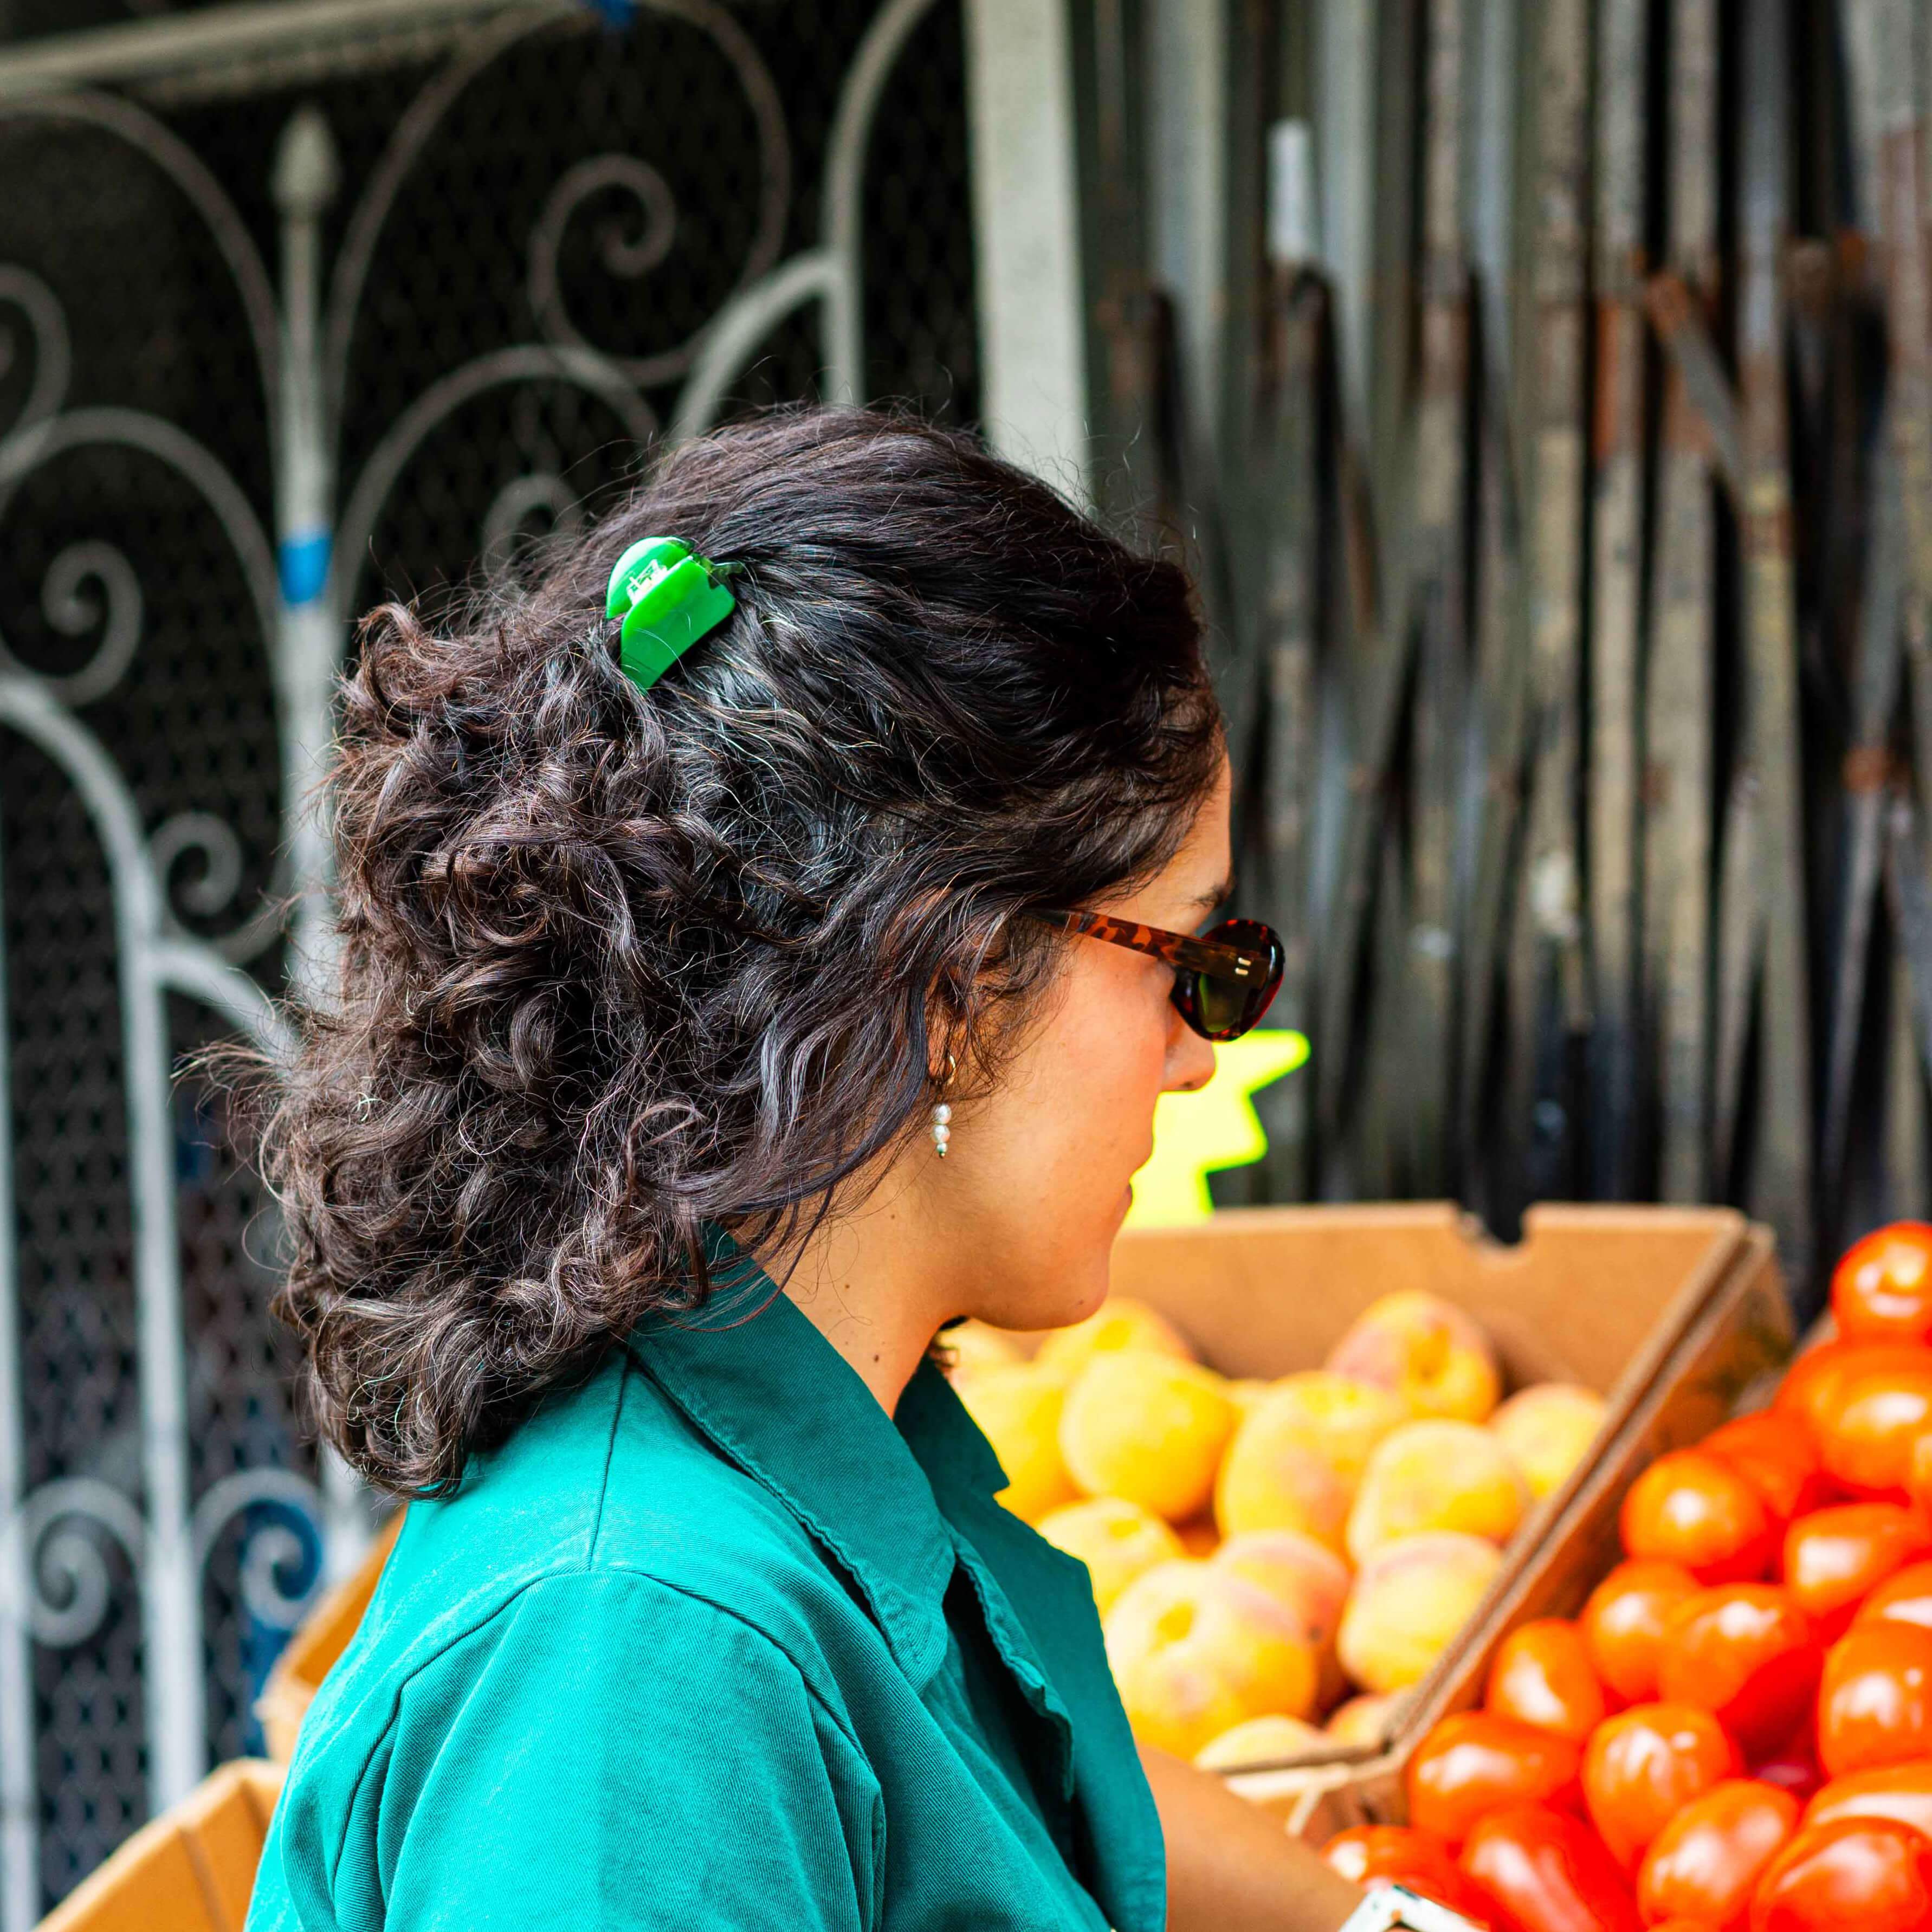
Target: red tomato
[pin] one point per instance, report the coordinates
(1905, 1597)
(1747, 1654)
(1919, 1472)
(1875, 1702)
(1706, 1862)
(1690, 1508)
(1882, 1288)
(1834, 1557)
(1623, 1624)
(1399, 1855)
(1866, 1443)
(1542, 1675)
(1775, 1453)
(1475, 1762)
(1900, 1791)
(1642, 1766)
(1547, 1873)
(1872, 1874)
(1794, 1768)
(1812, 1384)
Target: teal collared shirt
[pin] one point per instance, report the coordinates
(713, 1641)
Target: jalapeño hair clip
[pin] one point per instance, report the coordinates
(668, 599)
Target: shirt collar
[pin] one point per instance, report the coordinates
(755, 1377)
(957, 1458)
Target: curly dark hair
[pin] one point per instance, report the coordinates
(616, 965)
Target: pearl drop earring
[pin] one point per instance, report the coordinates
(942, 1117)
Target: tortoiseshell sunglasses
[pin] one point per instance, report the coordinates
(1223, 982)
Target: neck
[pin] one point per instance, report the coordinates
(869, 1287)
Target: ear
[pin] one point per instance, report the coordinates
(946, 1045)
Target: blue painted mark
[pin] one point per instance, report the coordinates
(304, 566)
(618, 12)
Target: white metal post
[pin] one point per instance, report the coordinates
(306, 644)
(1026, 234)
(308, 639)
(1188, 190)
(173, 1664)
(1345, 138)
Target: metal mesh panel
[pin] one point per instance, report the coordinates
(77, 1311)
(267, 1558)
(89, 1760)
(126, 591)
(919, 256)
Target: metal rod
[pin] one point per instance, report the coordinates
(1783, 1175)
(1297, 337)
(1498, 712)
(1882, 43)
(1679, 316)
(1616, 594)
(1867, 774)
(1439, 544)
(1547, 993)
(1910, 897)
(1679, 807)
(146, 51)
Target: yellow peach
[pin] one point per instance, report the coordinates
(1196, 1650)
(976, 1344)
(1408, 1600)
(1298, 1455)
(1547, 1429)
(1119, 1322)
(1148, 1427)
(1436, 1475)
(1117, 1540)
(1261, 1740)
(1017, 1406)
(1366, 1720)
(1427, 1350)
(1305, 1576)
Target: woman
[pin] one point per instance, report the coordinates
(708, 1036)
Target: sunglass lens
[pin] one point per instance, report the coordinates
(1227, 1009)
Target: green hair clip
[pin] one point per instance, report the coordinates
(668, 599)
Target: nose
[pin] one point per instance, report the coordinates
(1190, 1062)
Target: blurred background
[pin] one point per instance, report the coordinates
(1541, 392)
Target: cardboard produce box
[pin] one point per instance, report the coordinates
(190, 1869)
(1669, 1312)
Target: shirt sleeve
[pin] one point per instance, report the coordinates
(611, 1753)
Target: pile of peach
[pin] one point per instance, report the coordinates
(1737, 1732)
(1261, 1550)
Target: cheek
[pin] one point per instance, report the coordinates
(1048, 1159)
(1106, 1061)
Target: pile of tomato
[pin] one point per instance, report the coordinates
(1735, 1735)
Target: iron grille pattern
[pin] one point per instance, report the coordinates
(584, 191)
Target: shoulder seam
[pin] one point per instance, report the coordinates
(838, 1719)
